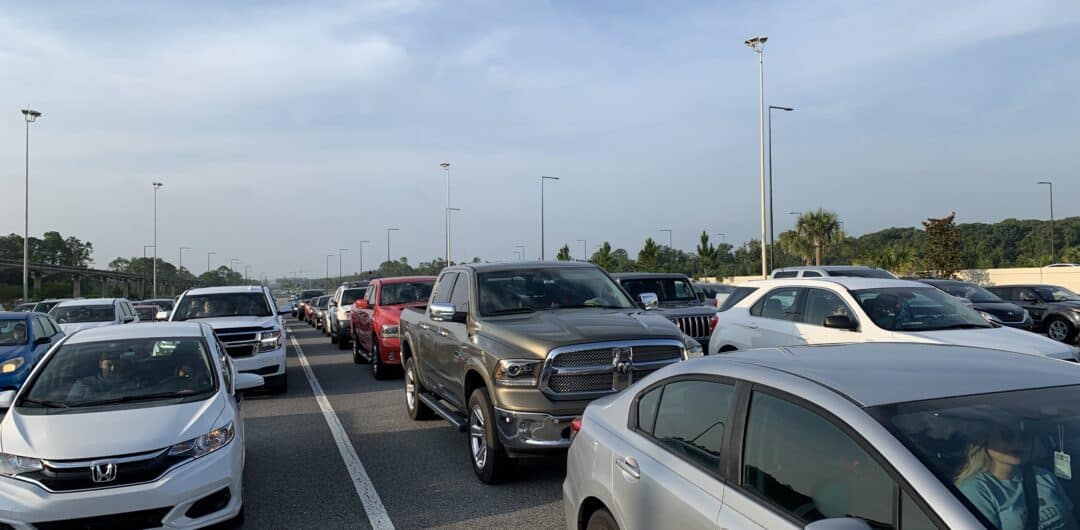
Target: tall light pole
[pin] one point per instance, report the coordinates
(144, 247)
(772, 228)
(584, 249)
(758, 45)
(446, 167)
(232, 267)
(328, 256)
(448, 212)
(208, 254)
(339, 252)
(388, 230)
(1051, 184)
(362, 243)
(157, 186)
(542, 179)
(522, 247)
(30, 116)
(668, 230)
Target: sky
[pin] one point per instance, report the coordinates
(284, 131)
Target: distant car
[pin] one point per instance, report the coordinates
(24, 339)
(318, 310)
(850, 271)
(337, 315)
(29, 306)
(147, 313)
(837, 437)
(1056, 310)
(1064, 265)
(376, 319)
(715, 293)
(676, 299)
(841, 310)
(988, 304)
(45, 306)
(304, 297)
(172, 455)
(166, 304)
(77, 315)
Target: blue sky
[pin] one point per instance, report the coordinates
(284, 131)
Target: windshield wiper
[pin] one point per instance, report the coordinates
(46, 403)
(132, 399)
(518, 310)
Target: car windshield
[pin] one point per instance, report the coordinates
(148, 313)
(23, 308)
(861, 273)
(917, 309)
(1057, 294)
(322, 301)
(45, 307)
(405, 292)
(970, 291)
(222, 305)
(13, 333)
(993, 450)
(666, 289)
(84, 313)
(525, 290)
(348, 296)
(122, 371)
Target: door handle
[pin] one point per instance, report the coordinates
(444, 333)
(425, 327)
(629, 466)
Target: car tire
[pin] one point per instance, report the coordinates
(413, 388)
(379, 370)
(343, 340)
(601, 519)
(358, 355)
(333, 336)
(1061, 330)
(486, 452)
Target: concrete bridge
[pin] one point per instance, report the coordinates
(105, 278)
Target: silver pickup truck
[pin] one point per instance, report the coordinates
(513, 352)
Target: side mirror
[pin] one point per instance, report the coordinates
(333, 303)
(362, 304)
(7, 397)
(840, 322)
(248, 381)
(649, 301)
(442, 312)
(838, 523)
(42, 340)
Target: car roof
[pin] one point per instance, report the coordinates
(827, 268)
(402, 279)
(88, 301)
(17, 315)
(851, 283)
(523, 265)
(646, 275)
(141, 331)
(873, 374)
(226, 289)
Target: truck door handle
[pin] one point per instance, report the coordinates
(425, 327)
(629, 466)
(444, 333)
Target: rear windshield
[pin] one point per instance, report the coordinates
(405, 292)
(861, 273)
(348, 296)
(735, 297)
(310, 293)
(146, 312)
(73, 314)
(222, 305)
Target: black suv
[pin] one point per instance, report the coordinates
(989, 304)
(1056, 310)
(678, 300)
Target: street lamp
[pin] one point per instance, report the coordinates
(584, 249)
(328, 256)
(30, 116)
(758, 45)
(448, 212)
(362, 255)
(772, 229)
(668, 230)
(388, 230)
(1051, 184)
(157, 186)
(232, 267)
(339, 251)
(520, 249)
(208, 254)
(542, 179)
(446, 167)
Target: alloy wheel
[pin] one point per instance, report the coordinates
(477, 438)
(1058, 330)
(410, 390)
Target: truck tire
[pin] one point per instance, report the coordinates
(342, 340)
(1060, 329)
(333, 335)
(486, 453)
(413, 388)
(601, 519)
(357, 354)
(380, 371)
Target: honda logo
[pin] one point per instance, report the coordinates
(101, 473)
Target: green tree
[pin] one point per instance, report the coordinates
(602, 257)
(815, 231)
(648, 258)
(564, 253)
(941, 255)
(707, 254)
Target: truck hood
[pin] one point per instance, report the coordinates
(77, 436)
(68, 329)
(542, 331)
(238, 322)
(1003, 338)
(683, 310)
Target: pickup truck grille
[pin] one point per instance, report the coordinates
(239, 342)
(592, 370)
(695, 326)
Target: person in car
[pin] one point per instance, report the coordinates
(108, 379)
(993, 480)
(18, 333)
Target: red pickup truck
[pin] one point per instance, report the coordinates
(375, 319)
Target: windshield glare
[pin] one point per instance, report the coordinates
(512, 291)
(84, 313)
(405, 292)
(13, 333)
(1057, 294)
(972, 292)
(666, 289)
(124, 370)
(222, 305)
(981, 446)
(917, 309)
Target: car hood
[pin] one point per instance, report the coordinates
(1003, 338)
(1001, 310)
(76, 436)
(237, 322)
(7, 352)
(68, 329)
(542, 331)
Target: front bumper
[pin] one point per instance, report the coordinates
(390, 350)
(15, 379)
(532, 431)
(22, 504)
(265, 364)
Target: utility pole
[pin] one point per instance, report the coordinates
(157, 186)
(446, 167)
(1051, 184)
(30, 116)
(542, 179)
(362, 255)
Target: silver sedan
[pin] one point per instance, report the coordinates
(860, 436)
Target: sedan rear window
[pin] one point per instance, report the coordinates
(84, 313)
(735, 297)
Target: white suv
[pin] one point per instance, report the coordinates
(337, 318)
(247, 321)
(841, 310)
(86, 313)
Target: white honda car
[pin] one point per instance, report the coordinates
(835, 310)
(125, 426)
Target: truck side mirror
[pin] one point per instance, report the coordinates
(442, 312)
(649, 301)
(362, 304)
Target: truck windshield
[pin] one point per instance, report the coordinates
(527, 290)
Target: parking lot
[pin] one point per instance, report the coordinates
(419, 471)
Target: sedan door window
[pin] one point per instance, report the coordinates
(821, 304)
(778, 304)
(690, 421)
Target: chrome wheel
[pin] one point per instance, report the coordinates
(1058, 330)
(477, 438)
(410, 390)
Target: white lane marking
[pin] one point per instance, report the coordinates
(373, 505)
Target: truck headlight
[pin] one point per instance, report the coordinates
(205, 444)
(389, 331)
(11, 365)
(271, 340)
(12, 465)
(693, 347)
(517, 372)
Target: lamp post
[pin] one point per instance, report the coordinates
(339, 275)
(144, 247)
(157, 186)
(772, 229)
(328, 256)
(668, 230)
(362, 255)
(1051, 184)
(584, 249)
(446, 214)
(180, 265)
(388, 230)
(208, 254)
(30, 116)
(542, 179)
(232, 268)
(522, 247)
(758, 45)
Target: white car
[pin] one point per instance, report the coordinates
(841, 310)
(77, 315)
(125, 426)
(247, 321)
(337, 316)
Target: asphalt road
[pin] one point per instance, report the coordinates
(296, 476)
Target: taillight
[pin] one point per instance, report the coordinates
(712, 322)
(575, 427)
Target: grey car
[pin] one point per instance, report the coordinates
(858, 436)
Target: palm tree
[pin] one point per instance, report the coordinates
(648, 257)
(814, 232)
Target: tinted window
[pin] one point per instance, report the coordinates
(535, 289)
(912, 517)
(692, 418)
(444, 288)
(809, 468)
(1026, 294)
(223, 305)
(917, 309)
(51, 327)
(348, 296)
(735, 297)
(666, 289)
(821, 304)
(778, 304)
(13, 332)
(146, 312)
(785, 274)
(811, 274)
(646, 410)
(84, 313)
(970, 291)
(460, 298)
(39, 329)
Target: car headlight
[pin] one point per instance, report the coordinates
(205, 444)
(517, 372)
(389, 331)
(989, 317)
(1027, 316)
(11, 465)
(11, 365)
(693, 347)
(271, 340)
